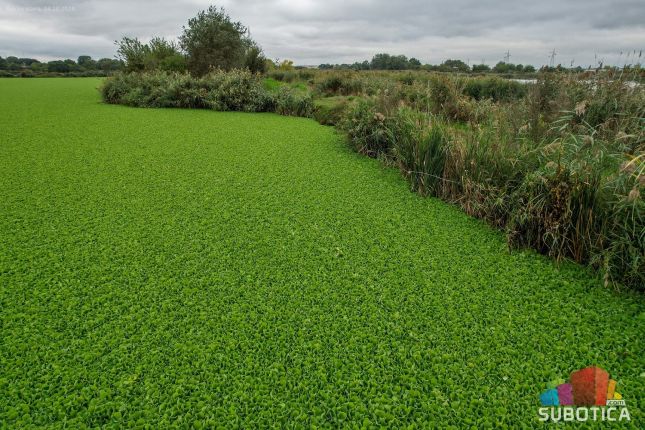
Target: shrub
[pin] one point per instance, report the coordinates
(367, 129)
(236, 90)
(282, 75)
(336, 84)
(496, 89)
(331, 110)
(306, 75)
(292, 102)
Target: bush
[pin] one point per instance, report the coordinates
(496, 89)
(292, 102)
(236, 90)
(336, 84)
(282, 75)
(368, 129)
(331, 110)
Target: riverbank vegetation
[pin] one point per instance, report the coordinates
(557, 164)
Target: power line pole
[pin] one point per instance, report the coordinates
(552, 61)
(507, 56)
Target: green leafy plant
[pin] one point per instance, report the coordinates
(166, 268)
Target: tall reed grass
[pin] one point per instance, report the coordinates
(558, 165)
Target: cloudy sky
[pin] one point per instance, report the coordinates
(336, 31)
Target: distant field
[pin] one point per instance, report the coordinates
(192, 268)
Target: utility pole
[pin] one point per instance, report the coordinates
(552, 61)
(507, 56)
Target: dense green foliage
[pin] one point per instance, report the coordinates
(384, 61)
(193, 269)
(212, 40)
(236, 90)
(557, 164)
(495, 89)
(84, 66)
(158, 54)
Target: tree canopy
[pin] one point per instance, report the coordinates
(213, 40)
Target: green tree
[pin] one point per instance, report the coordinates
(480, 68)
(133, 53)
(12, 63)
(83, 60)
(213, 40)
(71, 64)
(455, 66)
(26, 62)
(173, 63)
(286, 66)
(385, 61)
(164, 55)
(503, 67)
(58, 66)
(255, 60)
(108, 64)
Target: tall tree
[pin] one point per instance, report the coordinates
(255, 60)
(164, 54)
(133, 53)
(455, 66)
(213, 40)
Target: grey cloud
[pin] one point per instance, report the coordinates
(312, 31)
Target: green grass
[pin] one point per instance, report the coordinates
(271, 84)
(185, 268)
(274, 86)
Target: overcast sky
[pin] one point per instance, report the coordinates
(338, 31)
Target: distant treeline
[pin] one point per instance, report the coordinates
(401, 62)
(83, 66)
